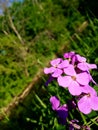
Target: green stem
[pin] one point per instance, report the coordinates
(83, 117)
(92, 120)
(71, 115)
(40, 101)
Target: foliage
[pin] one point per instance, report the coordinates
(38, 26)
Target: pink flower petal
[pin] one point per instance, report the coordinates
(55, 62)
(86, 66)
(84, 105)
(55, 102)
(89, 89)
(64, 81)
(49, 70)
(57, 73)
(73, 60)
(70, 70)
(63, 64)
(83, 66)
(83, 78)
(91, 79)
(94, 103)
(92, 66)
(74, 88)
(80, 58)
(69, 54)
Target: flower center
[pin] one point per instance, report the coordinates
(73, 77)
(55, 66)
(88, 95)
(69, 59)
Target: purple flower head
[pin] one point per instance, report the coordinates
(57, 66)
(89, 100)
(62, 111)
(73, 81)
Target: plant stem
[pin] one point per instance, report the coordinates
(41, 102)
(83, 117)
(92, 120)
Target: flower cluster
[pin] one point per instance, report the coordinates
(73, 72)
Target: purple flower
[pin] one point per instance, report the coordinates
(57, 66)
(83, 65)
(73, 125)
(71, 56)
(73, 81)
(86, 127)
(55, 102)
(89, 100)
(62, 111)
(80, 58)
